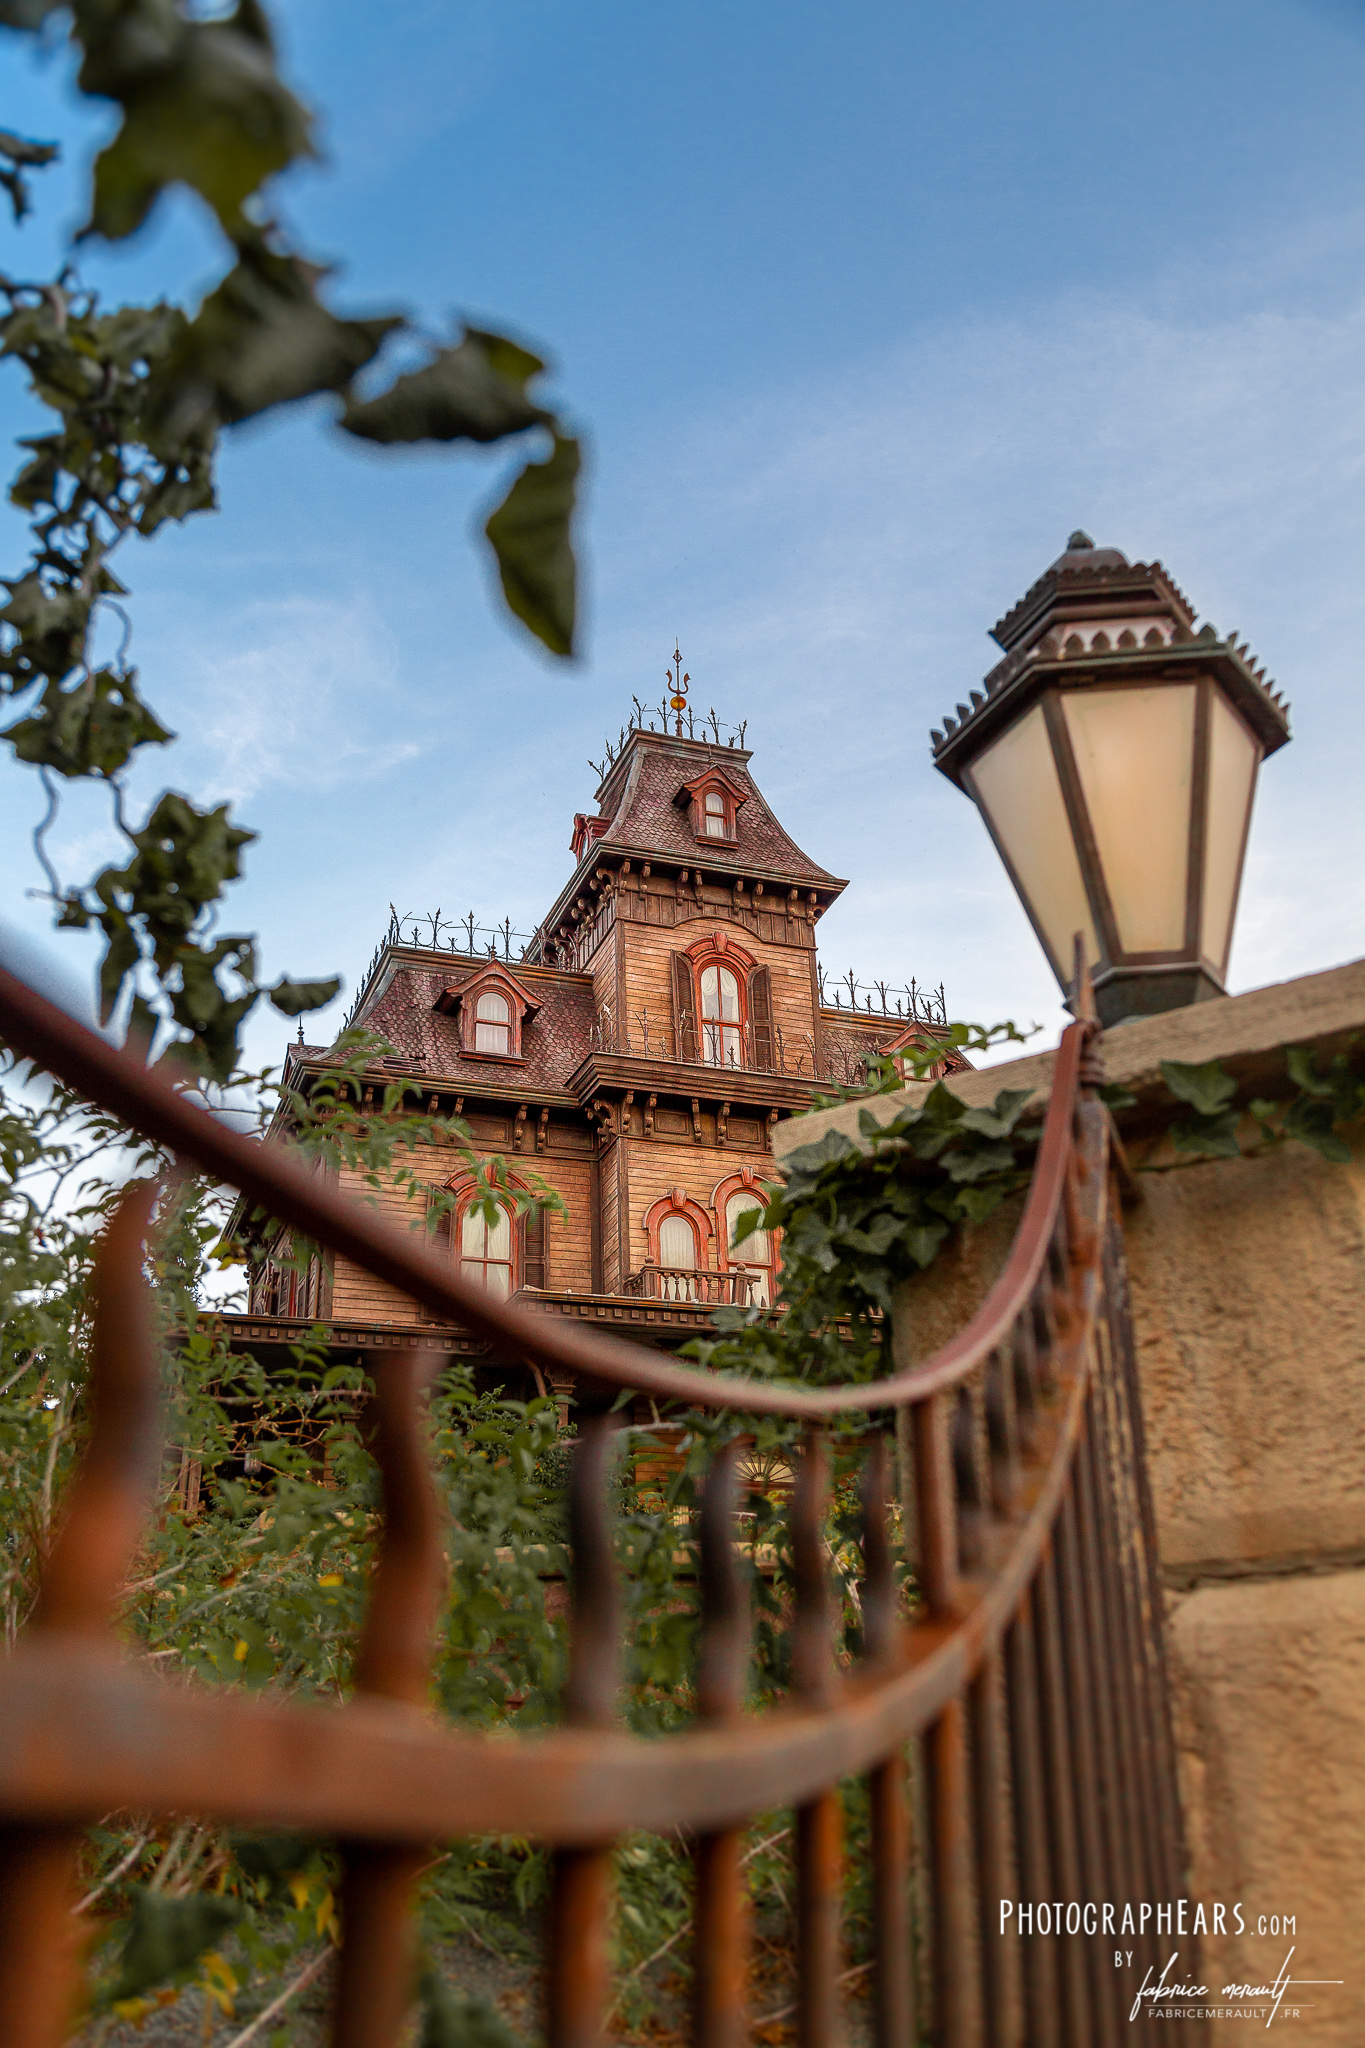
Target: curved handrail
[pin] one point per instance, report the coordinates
(281, 1185)
(1031, 1671)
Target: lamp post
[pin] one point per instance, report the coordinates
(1113, 754)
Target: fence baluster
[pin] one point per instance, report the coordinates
(105, 1509)
(577, 1965)
(1031, 1827)
(893, 1959)
(819, 1823)
(1060, 1779)
(721, 1916)
(991, 1787)
(377, 1963)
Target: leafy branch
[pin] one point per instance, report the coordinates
(140, 396)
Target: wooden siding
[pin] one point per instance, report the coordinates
(656, 1169)
(359, 1297)
(647, 989)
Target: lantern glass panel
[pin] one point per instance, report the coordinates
(1017, 786)
(1134, 752)
(1232, 771)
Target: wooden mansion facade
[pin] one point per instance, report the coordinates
(668, 1011)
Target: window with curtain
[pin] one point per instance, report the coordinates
(486, 1251)
(492, 1023)
(713, 823)
(678, 1249)
(721, 1034)
(756, 1252)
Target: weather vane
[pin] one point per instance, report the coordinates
(677, 685)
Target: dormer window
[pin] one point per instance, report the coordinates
(712, 802)
(715, 824)
(493, 1010)
(493, 1022)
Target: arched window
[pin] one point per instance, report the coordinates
(755, 1253)
(493, 1022)
(715, 824)
(721, 1035)
(486, 1250)
(678, 1257)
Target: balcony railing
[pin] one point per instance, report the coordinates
(735, 1288)
(743, 1050)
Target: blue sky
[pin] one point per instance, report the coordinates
(861, 311)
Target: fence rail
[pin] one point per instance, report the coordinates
(1028, 1680)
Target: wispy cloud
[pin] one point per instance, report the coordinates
(303, 696)
(847, 544)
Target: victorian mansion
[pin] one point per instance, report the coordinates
(635, 1057)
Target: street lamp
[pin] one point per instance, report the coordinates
(1113, 755)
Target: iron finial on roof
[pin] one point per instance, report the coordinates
(677, 686)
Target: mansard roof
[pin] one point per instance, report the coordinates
(555, 1039)
(638, 798)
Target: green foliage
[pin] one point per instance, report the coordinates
(166, 1938)
(1311, 1115)
(140, 396)
(450, 2020)
(17, 156)
(530, 536)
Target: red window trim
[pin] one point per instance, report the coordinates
(462, 1000)
(720, 950)
(677, 1202)
(692, 797)
(749, 1183)
(463, 1188)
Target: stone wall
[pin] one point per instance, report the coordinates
(1248, 1285)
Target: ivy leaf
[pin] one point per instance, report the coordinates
(964, 1165)
(1214, 1135)
(121, 956)
(1207, 1088)
(293, 998)
(91, 730)
(167, 1936)
(1115, 1096)
(1303, 1071)
(810, 1158)
(529, 533)
(475, 391)
(262, 338)
(202, 106)
(1311, 1121)
(1000, 1120)
(922, 1241)
(976, 1204)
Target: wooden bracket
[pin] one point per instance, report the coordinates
(696, 1120)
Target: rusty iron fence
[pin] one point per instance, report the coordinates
(1024, 1694)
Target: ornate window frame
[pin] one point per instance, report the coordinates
(755, 1021)
(677, 1202)
(692, 797)
(462, 1001)
(524, 1255)
(745, 1181)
